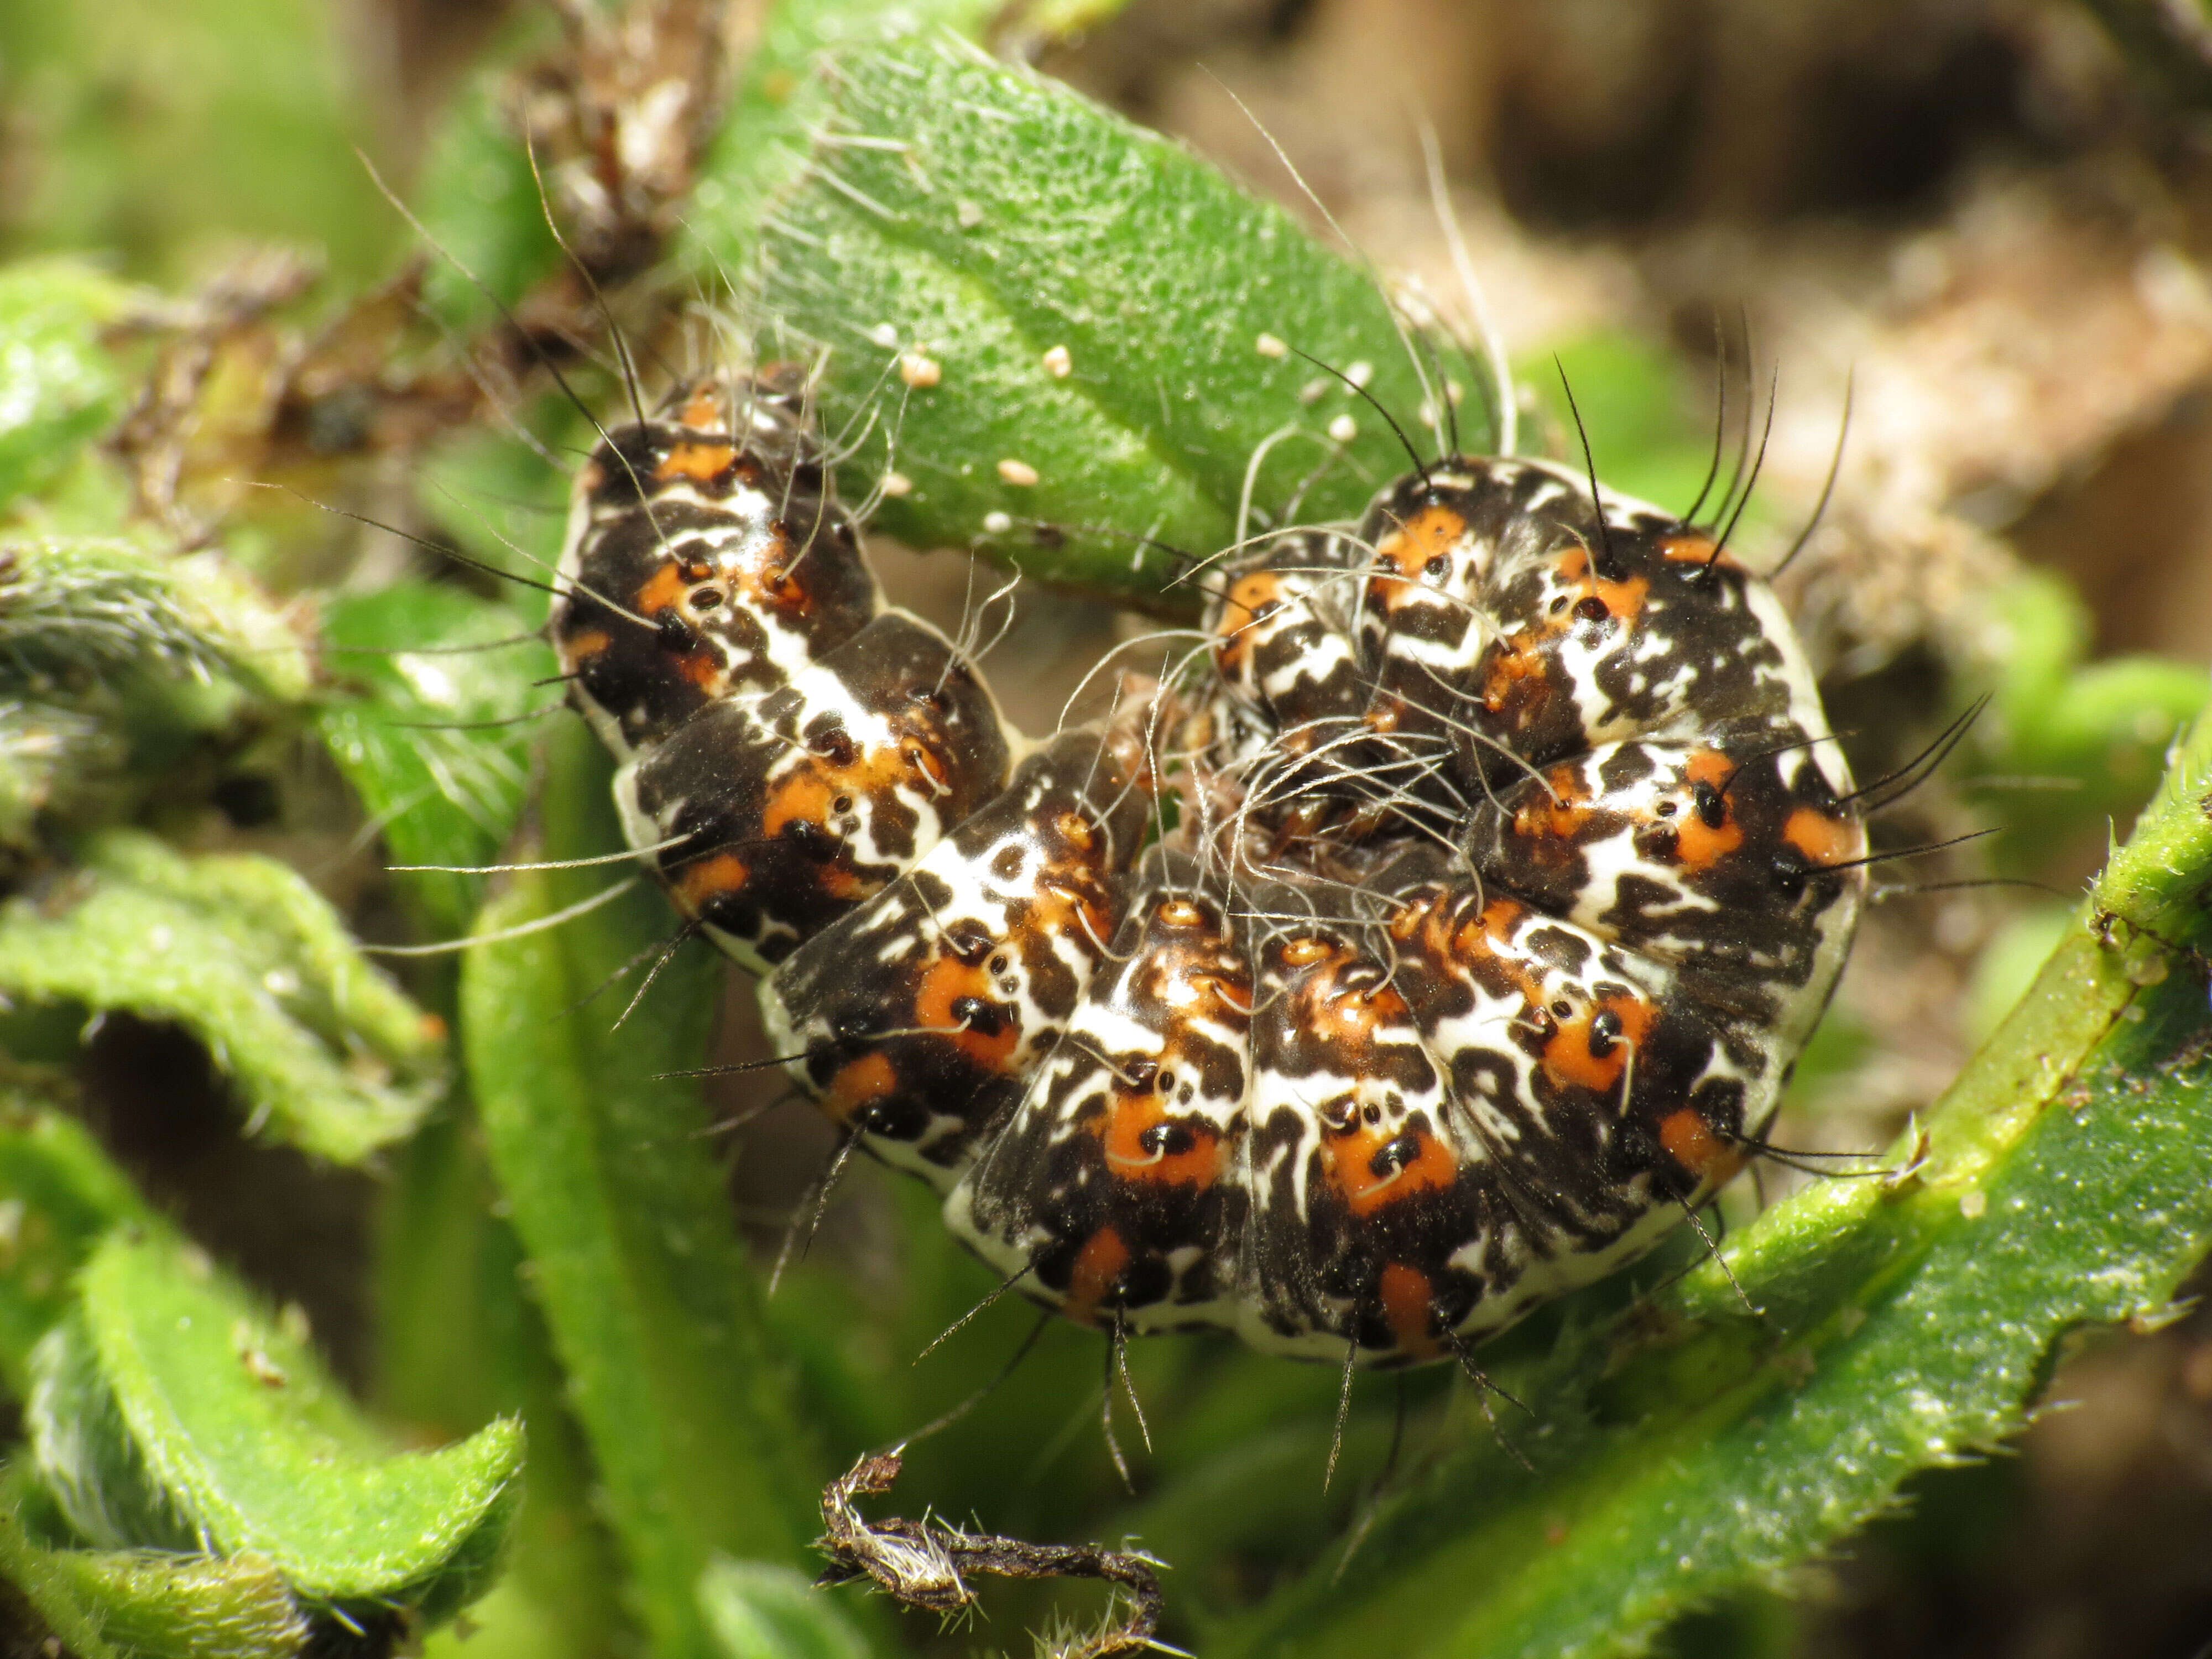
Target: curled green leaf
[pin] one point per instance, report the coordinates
(141, 1604)
(171, 1411)
(325, 1051)
(58, 1195)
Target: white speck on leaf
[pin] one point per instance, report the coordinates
(920, 372)
(1018, 472)
(1269, 346)
(1058, 363)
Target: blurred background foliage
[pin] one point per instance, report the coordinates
(226, 709)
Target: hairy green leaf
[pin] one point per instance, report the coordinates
(619, 1202)
(761, 146)
(324, 1050)
(137, 1604)
(423, 732)
(1065, 334)
(58, 1195)
(1906, 1322)
(172, 1412)
(74, 609)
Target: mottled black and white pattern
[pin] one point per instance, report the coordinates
(1512, 865)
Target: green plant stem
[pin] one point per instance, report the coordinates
(619, 1201)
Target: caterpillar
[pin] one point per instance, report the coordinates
(1438, 942)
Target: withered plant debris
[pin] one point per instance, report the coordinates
(924, 1563)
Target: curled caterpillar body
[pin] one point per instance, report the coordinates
(1514, 865)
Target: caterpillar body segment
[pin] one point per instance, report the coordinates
(777, 813)
(706, 556)
(915, 1020)
(1113, 1187)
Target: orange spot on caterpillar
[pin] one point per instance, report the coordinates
(1515, 660)
(1820, 838)
(857, 1083)
(1352, 1160)
(1691, 1142)
(1407, 1300)
(700, 882)
(948, 981)
(1624, 598)
(1431, 533)
(1698, 845)
(1568, 1055)
(1097, 1271)
(702, 408)
(1559, 814)
(701, 462)
(1695, 548)
(664, 590)
(1251, 599)
(1121, 1130)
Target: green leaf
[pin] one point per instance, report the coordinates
(2102, 727)
(171, 1413)
(59, 387)
(324, 1050)
(438, 794)
(58, 1195)
(2066, 1178)
(458, 1344)
(76, 610)
(134, 1604)
(619, 1200)
(760, 146)
(976, 217)
(760, 1612)
(478, 199)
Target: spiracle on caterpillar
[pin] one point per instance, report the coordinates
(1435, 941)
